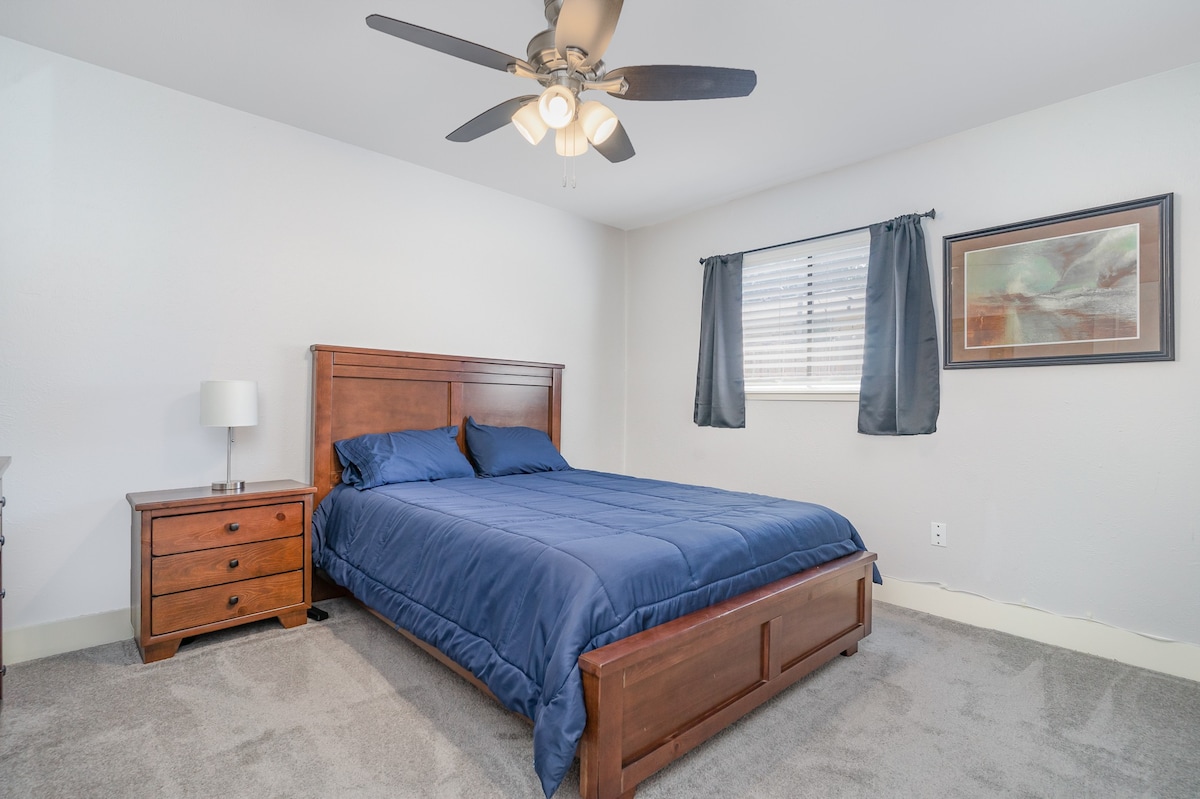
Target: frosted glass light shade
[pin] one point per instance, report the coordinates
(570, 141)
(598, 121)
(529, 123)
(229, 403)
(557, 106)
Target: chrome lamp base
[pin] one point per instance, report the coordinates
(229, 484)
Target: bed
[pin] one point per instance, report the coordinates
(647, 697)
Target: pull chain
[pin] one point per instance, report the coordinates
(566, 159)
(574, 149)
(573, 132)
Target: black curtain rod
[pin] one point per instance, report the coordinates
(931, 213)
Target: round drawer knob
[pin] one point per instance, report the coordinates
(233, 600)
(233, 564)
(281, 516)
(233, 527)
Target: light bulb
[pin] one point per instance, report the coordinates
(557, 106)
(598, 121)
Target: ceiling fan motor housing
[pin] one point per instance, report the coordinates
(541, 52)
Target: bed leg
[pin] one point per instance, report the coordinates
(317, 614)
(850, 650)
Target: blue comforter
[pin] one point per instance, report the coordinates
(515, 577)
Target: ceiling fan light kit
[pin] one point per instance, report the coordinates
(566, 60)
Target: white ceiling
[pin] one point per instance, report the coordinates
(838, 82)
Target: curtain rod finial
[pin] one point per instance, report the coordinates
(931, 213)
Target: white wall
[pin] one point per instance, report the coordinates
(1070, 488)
(150, 240)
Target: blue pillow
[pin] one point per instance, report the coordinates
(498, 451)
(404, 457)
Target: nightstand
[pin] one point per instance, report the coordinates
(205, 560)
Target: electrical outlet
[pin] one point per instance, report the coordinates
(937, 534)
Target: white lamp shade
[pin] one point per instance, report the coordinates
(598, 121)
(229, 403)
(557, 106)
(529, 123)
(570, 141)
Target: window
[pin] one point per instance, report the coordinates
(802, 316)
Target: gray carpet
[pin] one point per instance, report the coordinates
(346, 708)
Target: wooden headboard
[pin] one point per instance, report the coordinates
(357, 391)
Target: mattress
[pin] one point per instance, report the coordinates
(515, 577)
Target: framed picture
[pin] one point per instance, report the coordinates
(1092, 286)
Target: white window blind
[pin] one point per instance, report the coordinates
(802, 315)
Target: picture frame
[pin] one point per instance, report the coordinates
(1093, 286)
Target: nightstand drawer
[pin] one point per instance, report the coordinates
(220, 528)
(207, 567)
(222, 602)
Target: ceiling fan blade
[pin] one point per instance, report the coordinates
(586, 25)
(444, 43)
(664, 82)
(617, 147)
(494, 118)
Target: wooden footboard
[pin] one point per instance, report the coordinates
(655, 695)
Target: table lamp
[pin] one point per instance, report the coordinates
(229, 403)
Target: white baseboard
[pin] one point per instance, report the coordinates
(66, 635)
(1082, 635)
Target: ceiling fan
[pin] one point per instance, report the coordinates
(565, 60)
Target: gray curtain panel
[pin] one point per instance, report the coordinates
(720, 387)
(900, 392)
